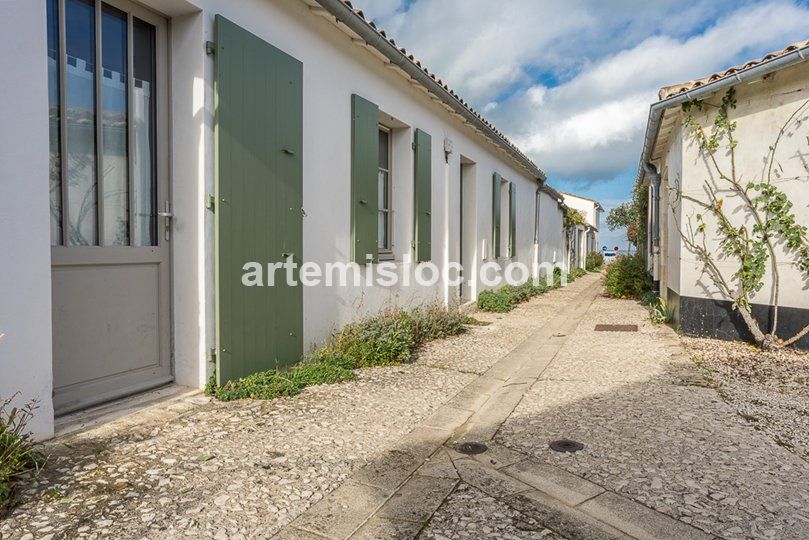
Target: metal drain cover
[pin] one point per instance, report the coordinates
(566, 445)
(616, 328)
(471, 448)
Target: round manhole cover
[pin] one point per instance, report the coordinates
(566, 445)
(471, 448)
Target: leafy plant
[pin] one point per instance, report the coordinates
(498, 301)
(659, 312)
(573, 217)
(594, 261)
(627, 277)
(386, 339)
(18, 458)
(625, 215)
(756, 233)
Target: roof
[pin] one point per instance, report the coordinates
(660, 124)
(669, 91)
(598, 204)
(443, 90)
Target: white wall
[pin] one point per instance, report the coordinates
(552, 243)
(762, 108)
(25, 271)
(333, 68)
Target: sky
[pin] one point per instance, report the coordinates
(571, 82)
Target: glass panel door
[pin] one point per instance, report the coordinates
(103, 193)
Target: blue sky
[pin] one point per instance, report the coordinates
(571, 82)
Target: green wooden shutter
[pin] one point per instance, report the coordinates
(512, 219)
(364, 180)
(423, 195)
(496, 215)
(259, 189)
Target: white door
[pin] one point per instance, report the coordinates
(110, 219)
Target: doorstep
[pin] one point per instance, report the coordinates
(119, 408)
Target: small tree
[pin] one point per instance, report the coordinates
(625, 215)
(773, 234)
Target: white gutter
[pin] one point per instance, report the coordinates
(657, 109)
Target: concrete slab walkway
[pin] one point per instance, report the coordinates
(655, 441)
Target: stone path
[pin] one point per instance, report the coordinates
(664, 457)
(204, 469)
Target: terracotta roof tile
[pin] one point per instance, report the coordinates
(675, 89)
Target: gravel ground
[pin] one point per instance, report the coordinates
(244, 469)
(655, 431)
(768, 389)
(468, 513)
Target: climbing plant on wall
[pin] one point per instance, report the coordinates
(759, 232)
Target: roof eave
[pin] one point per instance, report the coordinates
(656, 110)
(346, 15)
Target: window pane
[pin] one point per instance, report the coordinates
(143, 120)
(55, 156)
(383, 189)
(383, 231)
(384, 138)
(80, 117)
(115, 186)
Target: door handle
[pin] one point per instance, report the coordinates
(169, 215)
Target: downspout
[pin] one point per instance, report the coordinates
(654, 189)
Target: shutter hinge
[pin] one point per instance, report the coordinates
(212, 354)
(210, 203)
(210, 48)
(413, 145)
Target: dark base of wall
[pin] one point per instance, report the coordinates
(716, 319)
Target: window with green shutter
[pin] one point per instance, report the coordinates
(422, 195)
(496, 179)
(364, 180)
(512, 219)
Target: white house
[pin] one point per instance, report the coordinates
(770, 93)
(583, 238)
(151, 150)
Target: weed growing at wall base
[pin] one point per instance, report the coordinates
(386, 339)
(18, 459)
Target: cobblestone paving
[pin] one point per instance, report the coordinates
(470, 514)
(655, 432)
(244, 469)
(769, 389)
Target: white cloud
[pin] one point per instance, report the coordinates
(572, 85)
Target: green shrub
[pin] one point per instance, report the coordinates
(495, 301)
(627, 277)
(17, 455)
(383, 340)
(594, 261)
(263, 385)
(379, 341)
(435, 322)
(575, 274)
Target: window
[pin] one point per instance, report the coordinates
(101, 84)
(385, 208)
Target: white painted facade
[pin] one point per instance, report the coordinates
(584, 239)
(763, 106)
(334, 68)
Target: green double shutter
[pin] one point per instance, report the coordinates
(496, 215)
(258, 127)
(364, 180)
(512, 219)
(423, 195)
